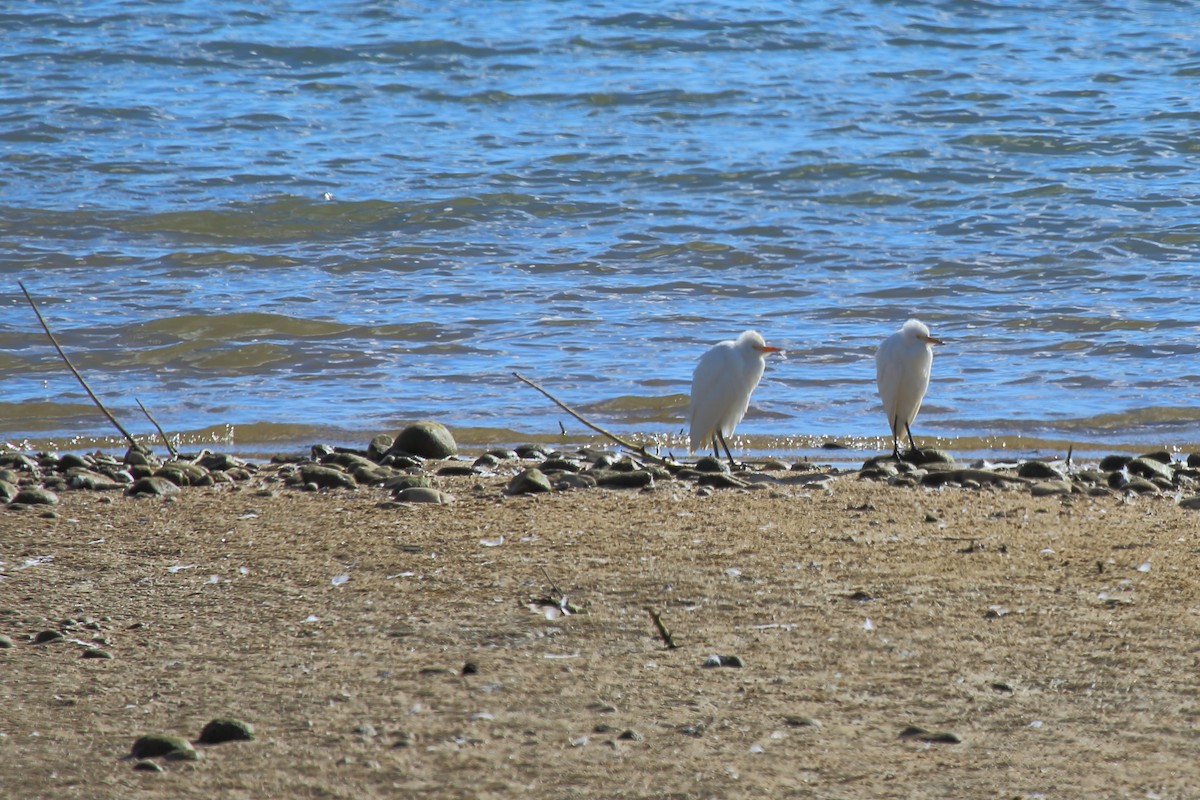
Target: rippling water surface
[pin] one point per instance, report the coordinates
(276, 223)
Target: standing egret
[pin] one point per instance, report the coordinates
(902, 365)
(721, 387)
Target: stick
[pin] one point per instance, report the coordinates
(553, 585)
(641, 451)
(663, 633)
(161, 432)
(74, 371)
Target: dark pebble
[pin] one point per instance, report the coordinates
(1113, 463)
(470, 668)
(153, 486)
(155, 745)
(45, 637)
(96, 652)
(426, 439)
(36, 496)
(147, 766)
(226, 730)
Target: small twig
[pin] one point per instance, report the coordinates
(161, 432)
(550, 580)
(74, 371)
(641, 451)
(663, 633)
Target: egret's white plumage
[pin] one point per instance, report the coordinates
(902, 365)
(721, 387)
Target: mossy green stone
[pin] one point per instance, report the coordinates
(226, 730)
(154, 745)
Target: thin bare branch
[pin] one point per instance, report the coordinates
(663, 633)
(161, 432)
(639, 450)
(75, 372)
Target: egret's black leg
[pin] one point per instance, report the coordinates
(896, 440)
(732, 464)
(908, 430)
(716, 450)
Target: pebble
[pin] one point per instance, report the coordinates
(47, 636)
(35, 496)
(710, 464)
(96, 652)
(401, 482)
(723, 661)
(531, 481)
(421, 494)
(1050, 488)
(919, 734)
(155, 487)
(5, 642)
(226, 730)
(155, 745)
(1149, 468)
(326, 477)
(1039, 470)
(147, 766)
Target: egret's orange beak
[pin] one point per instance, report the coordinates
(932, 340)
(766, 348)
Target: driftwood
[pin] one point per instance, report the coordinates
(639, 450)
(161, 432)
(75, 372)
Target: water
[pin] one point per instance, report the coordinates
(280, 223)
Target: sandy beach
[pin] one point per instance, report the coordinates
(1045, 646)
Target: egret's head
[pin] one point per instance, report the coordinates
(918, 331)
(754, 342)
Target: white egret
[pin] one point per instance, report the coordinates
(721, 387)
(902, 366)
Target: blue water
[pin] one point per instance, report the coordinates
(280, 223)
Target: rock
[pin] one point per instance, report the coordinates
(96, 652)
(536, 452)
(1192, 503)
(1194, 461)
(720, 480)
(87, 480)
(5, 642)
(724, 661)
(1141, 486)
(155, 745)
(148, 766)
(326, 477)
(919, 734)
(616, 479)
(571, 480)
(1039, 470)
(181, 473)
(156, 487)
(226, 730)
(1050, 488)
(1113, 463)
(72, 460)
(775, 465)
(487, 461)
(379, 446)
(1149, 468)
(424, 494)
(220, 461)
(399, 483)
(560, 465)
(797, 721)
(47, 636)
(35, 496)
(531, 481)
(425, 439)
(929, 455)
(1161, 456)
(710, 464)
(630, 735)
(7, 491)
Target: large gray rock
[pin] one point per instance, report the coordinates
(425, 439)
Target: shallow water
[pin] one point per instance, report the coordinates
(281, 223)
